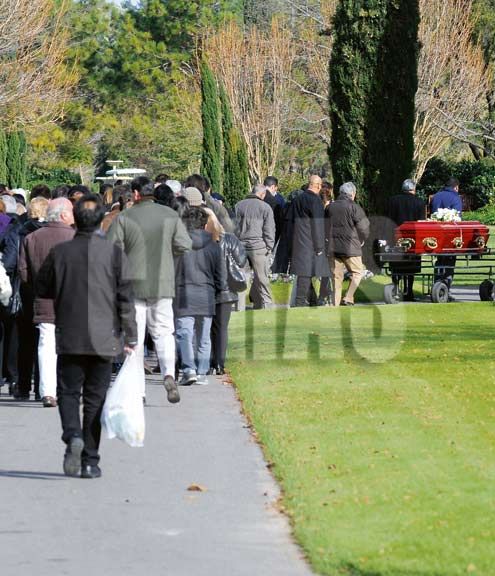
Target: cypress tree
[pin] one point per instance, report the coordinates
(16, 159)
(235, 161)
(211, 161)
(373, 82)
(3, 157)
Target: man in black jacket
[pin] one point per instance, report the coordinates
(306, 237)
(406, 207)
(346, 230)
(87, 278)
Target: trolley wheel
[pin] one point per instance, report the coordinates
(440, 293)
(392, 294)
(486, 290)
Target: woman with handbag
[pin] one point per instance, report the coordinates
(234, 257)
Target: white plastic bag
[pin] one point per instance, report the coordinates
(123, 411)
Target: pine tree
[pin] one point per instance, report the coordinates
(211, 160)
(235, 161)
(14, 162)
(3, 157)
(21, 175)
(373, 82)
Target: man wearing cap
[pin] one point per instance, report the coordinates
(193, 196)
(151, 235)
(256, 231)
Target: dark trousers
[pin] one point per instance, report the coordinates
(9, 345)
(27, 354)
(219, 334)
(444, 269)
(92, 375)
(324, 288)
(305, 291)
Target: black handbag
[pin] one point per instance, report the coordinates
(14, 306)
(236, 277)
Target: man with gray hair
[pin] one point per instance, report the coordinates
(346, 229)
(34, 251)
(256, 230)
(405, 207)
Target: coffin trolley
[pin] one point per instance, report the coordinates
(422, 250)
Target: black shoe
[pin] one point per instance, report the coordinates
(89, 471)
(156, 369)
(220, 370)
(172, 391)
(72, 458)
(18, 395)
(346, 303)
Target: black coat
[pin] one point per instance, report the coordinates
(278, 214)
(88, 279)
(405, 207)
(306, 236)
(346, 227)
(199, 276)
(231, 246)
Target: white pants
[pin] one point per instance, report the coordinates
(47, 359)
(158, 316)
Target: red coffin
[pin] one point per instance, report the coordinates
(429, 237)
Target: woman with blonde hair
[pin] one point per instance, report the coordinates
(234, 257)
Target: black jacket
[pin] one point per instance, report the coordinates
(199, 275)
(405, 207)
(231, 246)
(10, 245)
(278, 214)
(306, 236)
(87, 278)
(346, 227)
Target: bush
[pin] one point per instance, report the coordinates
(51, 178)
(477, 179)
(289, 182)
(485, 215)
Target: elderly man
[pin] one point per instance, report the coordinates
(94, 312)
(346, 229)
(256, 231)
(406, 207)
(34, 251)
(306, 237)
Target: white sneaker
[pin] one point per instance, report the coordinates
(202, 380)
(188, 378)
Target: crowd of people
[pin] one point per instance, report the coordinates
(87, 278)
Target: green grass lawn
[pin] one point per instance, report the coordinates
(379, 422)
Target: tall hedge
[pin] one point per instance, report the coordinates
(235, 160)
(211, 161)
(3, 157)
(373, 82)
(16, 159)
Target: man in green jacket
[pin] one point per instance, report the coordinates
(151, 235)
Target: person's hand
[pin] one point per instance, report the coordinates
(129, 349)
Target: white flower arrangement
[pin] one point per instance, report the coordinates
(446, 215)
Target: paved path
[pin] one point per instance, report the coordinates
(139, 518)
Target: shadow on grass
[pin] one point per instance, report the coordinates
(350, 569)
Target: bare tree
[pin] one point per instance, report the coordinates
(255, 69)
(453, 80)
(34, 81)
